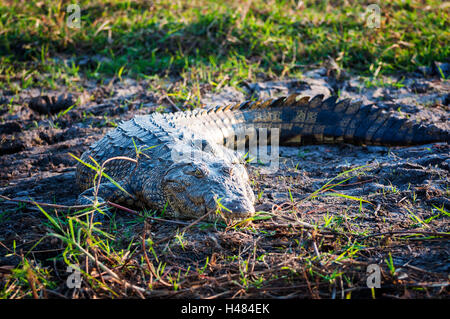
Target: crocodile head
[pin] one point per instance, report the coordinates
(205, 184)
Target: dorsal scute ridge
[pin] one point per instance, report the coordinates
(292, 100)
(330, 102)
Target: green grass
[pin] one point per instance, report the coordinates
(213, 42)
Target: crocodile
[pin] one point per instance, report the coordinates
(184, 165)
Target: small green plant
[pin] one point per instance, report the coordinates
(328, 219)
(180, 238)
(175, 280)
(202, 270)
(260, 195)
(390, 264)
(11, 106)
(290, 196)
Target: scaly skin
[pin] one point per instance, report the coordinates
(192, 185)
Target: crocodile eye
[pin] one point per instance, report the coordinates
(199, 173)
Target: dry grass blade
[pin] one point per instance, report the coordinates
(75, 207)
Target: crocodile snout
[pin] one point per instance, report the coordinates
(239, 208)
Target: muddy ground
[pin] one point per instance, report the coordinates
(405, 192)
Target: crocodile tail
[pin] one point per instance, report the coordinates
(306, 121)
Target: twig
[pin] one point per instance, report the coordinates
(316, 250)
(406, 232)
(419, 269)
(225, 78)
(46, 204)
(165, 96)
(102, 168)
(218, 295)
(98, 268)
(144, 249)
(56, 293)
